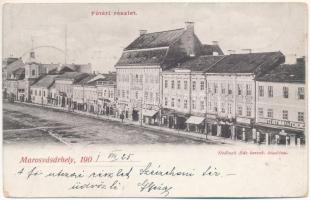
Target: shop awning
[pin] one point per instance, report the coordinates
(149, 113)
(194, 120)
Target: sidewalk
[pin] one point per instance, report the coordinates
(182, 133)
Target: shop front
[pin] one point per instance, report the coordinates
(150, 117)
(173, 119)
(195, 124)
(244, 129)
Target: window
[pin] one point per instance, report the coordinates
(202, 85)
(31, 92)
(118, 93)
(301, 93)
(194, 104)
(261, 91)
(215, 107)
(172, 102)
(239, 89)
(166, 83)
(151, 96)
(166, 101)
(261, 112)
(285, 114)
(270, 91)
(185, 103)
(270, 113)
(223, 88)
(229, 108)
(194, 85)
(210, 105)
(39, 92)
(285, 92)
(223, 108)
(185, 85)
(127, 93)
(179, 85)
(145, 95)
(44, 93)
(300, 116)
(202, 105)
(248, 111)
(248, 90)
(141, 78)
(179, 103)
(240, 110)
(215, 88)
(137, 95)
(123, 93)
(33, 72)
(137, 78)
(209, 88)
(229, 89)
(156, 97)
(172, 84)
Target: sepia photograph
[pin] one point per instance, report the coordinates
(221, 79)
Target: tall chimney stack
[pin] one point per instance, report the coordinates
(190, 26)
(143, 32)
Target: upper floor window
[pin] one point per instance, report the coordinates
(215, 107)
(33, 72)
(229, 89)
(223, 108)
(194, 104)
(185, 103)
(223, 88)
(166, 101)
(185, 85)
(229, 108)
(141, 78)
(166, 83)
(194, 85)
(270, 113)
(202, 105)
(270, 91)
(285, 114)
(179, 85)
(151, 96)
(215, 88)
(248, 111)
(202, 85)
(172, 102)
(172, 84)
(285, 92)
(179, 103)
(248, 90)
(239, 109)
(146, 95)
(137, 94)
(301, 116)
(261, 91)
(301, 93)
(239, 89)
(260, 112)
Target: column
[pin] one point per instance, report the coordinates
(267, 139)
(219, 130)
(243, 134)
(233, 132)
(258, 137)
(298, 142)
(187, 127)
(293, 140)
(254, 135)
(287, 140)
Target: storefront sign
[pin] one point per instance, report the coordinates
(243, 120)
(283, 123)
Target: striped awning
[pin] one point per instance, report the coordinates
(194, 120)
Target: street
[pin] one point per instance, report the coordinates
(24, 124)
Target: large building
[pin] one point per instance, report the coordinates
(140, 66)
(281, 104)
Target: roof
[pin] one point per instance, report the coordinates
(149, 57)
(294, 73)
(46, 81)
(14, 65)
(201, 63)
(248, 63)
(208, 49)
(19, 73)
(75, 76)
(85, 80)
(156, 39)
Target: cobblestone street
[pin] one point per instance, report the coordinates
(34, 125)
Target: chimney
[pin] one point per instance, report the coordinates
(215, 42)
(143, 32)
(190, 26)
(300, 61)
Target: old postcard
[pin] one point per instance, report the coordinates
(155, 99)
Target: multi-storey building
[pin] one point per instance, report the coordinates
(231, 92)
(64, 87)
(40, 91)
(281, 104)
(139, 68)
(184, 93)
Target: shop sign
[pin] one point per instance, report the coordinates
(283, 123)
(243, 120)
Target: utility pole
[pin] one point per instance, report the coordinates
(66, 44)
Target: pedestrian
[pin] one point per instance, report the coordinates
(122, 117)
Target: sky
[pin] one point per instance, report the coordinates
(100, 39)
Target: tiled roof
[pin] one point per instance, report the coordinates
(208, 49)
(201, 63)
(156, 39)
(19, 73)
(14, 65)
(46, 81)
(294, 73)
(85, 80)
(149, 57)
(75, 76)
(248, 63)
